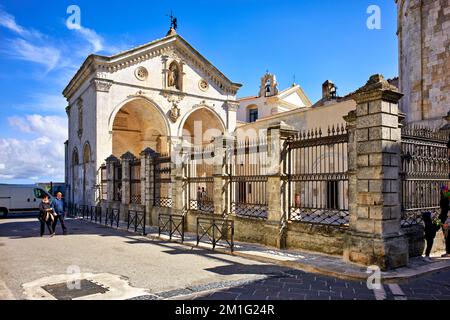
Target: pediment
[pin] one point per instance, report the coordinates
(171, 47)
(293, 94)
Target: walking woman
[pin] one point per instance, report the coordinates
(46, 216)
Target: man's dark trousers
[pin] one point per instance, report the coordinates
(60, 217)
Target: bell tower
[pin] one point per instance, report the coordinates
(269, 85)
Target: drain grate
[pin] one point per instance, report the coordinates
(62, 292)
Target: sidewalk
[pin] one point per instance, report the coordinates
(312, 262)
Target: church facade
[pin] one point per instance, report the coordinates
(151, 96)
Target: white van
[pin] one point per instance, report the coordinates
(20, 198)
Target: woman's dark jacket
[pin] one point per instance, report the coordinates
(43, 208)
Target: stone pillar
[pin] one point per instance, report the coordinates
(178, 178)
(375, 236)
(276, 191)
(126, 159)
(232, 108)
(111, 162)
(148, 182)
(221, 196)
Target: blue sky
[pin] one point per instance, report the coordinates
(313, 40)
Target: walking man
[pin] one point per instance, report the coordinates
(59, 208)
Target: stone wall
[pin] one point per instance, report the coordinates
(317, 238)
(424, 57)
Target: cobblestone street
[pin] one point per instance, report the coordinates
(163, 270)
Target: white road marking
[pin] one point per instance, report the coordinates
(397, 292)
(380, 294)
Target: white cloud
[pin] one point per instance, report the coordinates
(8, 21)
(53, 127)
(41, 156)
(33, 46)
(21, 49)
(24, 159)
(96, 41)
(44, 102)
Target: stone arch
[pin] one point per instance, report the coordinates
(136, 124)
(202, 119)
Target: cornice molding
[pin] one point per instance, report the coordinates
(102, 85)
(171, 47)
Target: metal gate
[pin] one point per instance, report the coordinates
(317, 176)
(200, 180)
(248, 177)
(425, 169)
(162, 182)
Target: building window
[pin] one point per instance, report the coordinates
(253, 115)
(333, 195)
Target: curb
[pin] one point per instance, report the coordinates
(385, 278)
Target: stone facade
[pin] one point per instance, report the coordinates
(270, 101)
(424, 59)
(130, 101)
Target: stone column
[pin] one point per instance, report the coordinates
(221, 197)
(178, 178)
(375, 236)
(148, 182)
(111, 162)
(232, 108)
(276, 191)
(126, 159)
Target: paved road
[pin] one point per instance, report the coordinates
(163, 270)
(297, 285)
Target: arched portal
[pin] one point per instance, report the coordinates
(202, 126)
(138, 125)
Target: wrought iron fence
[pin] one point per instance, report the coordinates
(200, 170)
(162, 182)
(71, 209)
(79, 211)
(248, 178)
(136, 220)
(425, 169)
(172, 224)
(317, 175)
(112, 217)
(216, 231)
(135, 182)
(84, 211)
(96, 214)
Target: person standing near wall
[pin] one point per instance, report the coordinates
(444, 204)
